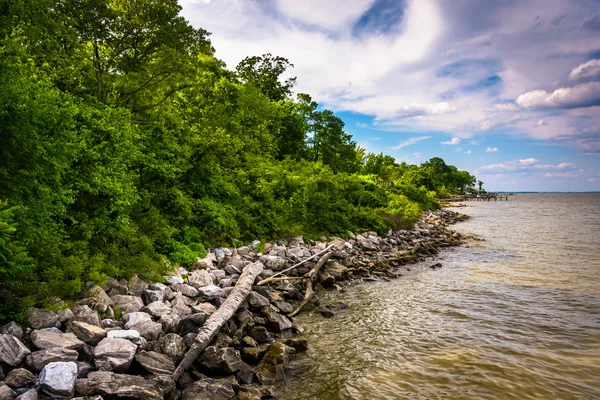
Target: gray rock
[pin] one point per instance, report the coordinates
(231, 270)
(31, 394)
(129, 334)
(190, 323)
(209, 389)
(45, 339)
(156, 363)
(135, 318)
(38, 318)
(218, 274)
(295, 253)
(211, 292)
(173, 280)
(266, 273)
(181, 310)
(157, 309)
(19, 377)
(12, 351)
(114, 354)
(7, 393)
(12, 329)
(173, 346)
(84, 368)
(257, 301)
(88, 333)
(221, 361)
(123, 386)
(127, 304)
(58, 379)
(149, 330)
(39, 359)
(254, 354)
(110, 324)
(136, 285)
(157, 286)
(225, 283)
(84, 313)
(206, 308)
(149, 296)
(203, 263)
(283, 306)
(65, 315)
(200, 278)
(272, 366)
(274, 263)
(260, 334)
(97, 299)
(185, 289)
(277, 322)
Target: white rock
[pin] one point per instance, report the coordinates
(58, 378)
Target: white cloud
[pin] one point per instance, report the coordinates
(329, 15)
(491, 150)
(454, 141)
(560, 175)
(583, 95)
(409, 142)
(586, 71)
(468, 152)
(414, 109)
(528, 161)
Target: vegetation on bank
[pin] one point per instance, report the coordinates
(125, 143)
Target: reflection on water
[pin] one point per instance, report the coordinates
(515, 316)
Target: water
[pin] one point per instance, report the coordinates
(516, 316)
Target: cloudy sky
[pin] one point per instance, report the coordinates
(509, 90)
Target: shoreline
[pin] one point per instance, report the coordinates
(127, 337)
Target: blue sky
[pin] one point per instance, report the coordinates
(508, 90)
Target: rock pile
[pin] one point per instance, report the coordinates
(125, 339)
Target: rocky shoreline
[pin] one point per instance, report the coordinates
(126, 338)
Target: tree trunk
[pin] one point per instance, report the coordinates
(214, 323)
(312, 277)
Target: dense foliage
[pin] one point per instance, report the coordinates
(125, 144)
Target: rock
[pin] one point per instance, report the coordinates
(295, 253)
(84, 368)
(137, 285)
(126, 303)
(12, 351)
(200, 278)
(155, 363)
(129, 334)
(181, 310)
(97, 299)
(185, 289)
(283, 306)
(31, 394)
(65, 315)
(232, 270)
(38, 318)
(249, 341)
(211, 292)
(45, 339)
(326, 279)
(173, 280)
(166, 384)
(190, 323)
(218, 274)
(7, 393)
(247, 396)
(365, 243)
(157, 309)
(157, 286)
(203, 263)
(114, 354)
(277, 322)
(257, 301)
(209, 389)
(254, 354)
(58, 379)
(205, 308)
(327, 313)
(274, 263)
(226, 282)
(149, 330)
(88, 333)
(260, 334)
(39, 359)
(437, 265)
(149, 296)
(111, 324)
(123, 386)
(173, 346)
(297, 343)
(225, 361)
(19, 377)
(12, 329)
(336, 270)
(272, 367)
(85, 314)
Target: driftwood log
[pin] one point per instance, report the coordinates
(272, 278)
(310, 282)
(214, 323)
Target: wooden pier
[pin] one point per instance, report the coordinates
(478, 197)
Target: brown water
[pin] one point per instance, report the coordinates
(516, 316)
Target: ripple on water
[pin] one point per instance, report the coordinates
(514, 317)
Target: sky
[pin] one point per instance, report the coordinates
(508, 90)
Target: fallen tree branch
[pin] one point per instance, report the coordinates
(271, 278)
(312, 275)
(214, 323)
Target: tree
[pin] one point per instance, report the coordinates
(265, 72)
(480, 183)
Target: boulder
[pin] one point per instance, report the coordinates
(19, 377)
(272, 367)
(205, 308)
(97, 299)
(126, 303)
(88, 333)
(203, 263)
(181, 310)
(185, 289)
(276, 322)
(254, 354)
(156, 363)
(335, 269)
(221, 361)
(190, 323)
(297, 343)
(84, 368)
(12, 351)
(218, 274)
(209, 389)
(283, 306)
(38, 318)
(173, 280)
(12, 329)
(122, 386)
(157, 309)
(129, 334)
(200, 278)
(45, 339)
(135, 318)
(65, 315)
(114, 354)
(211, 292)
(136, 285)
(173, 346)
(7, 393)
(57, 379)
(260, 334)
(149, 296)
(257, 301)
(31, 394)
(39, 359)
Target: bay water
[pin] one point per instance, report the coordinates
(515, 315)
